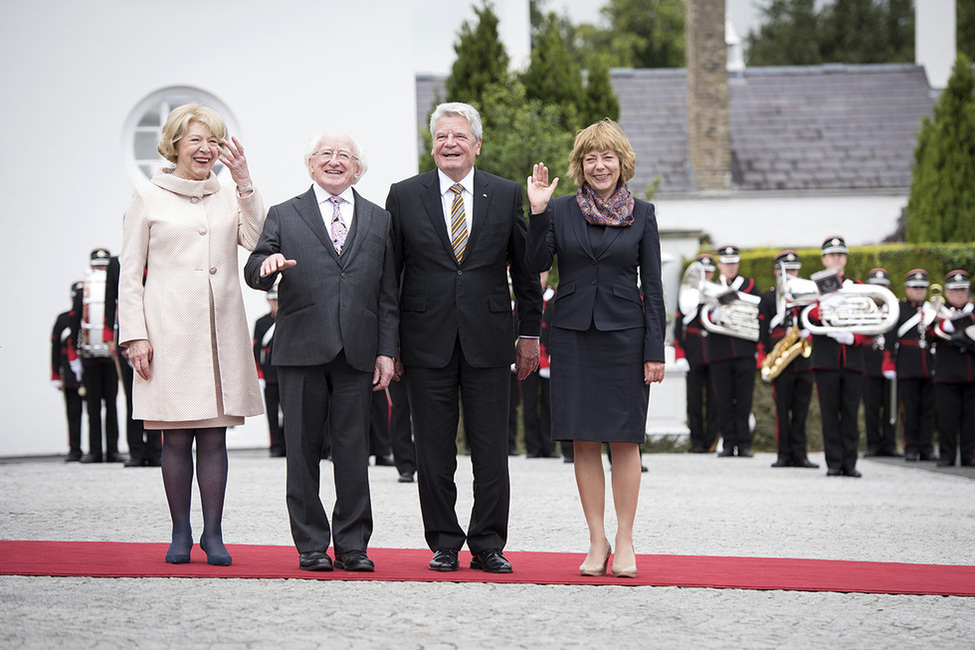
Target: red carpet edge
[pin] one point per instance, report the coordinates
(145, 560)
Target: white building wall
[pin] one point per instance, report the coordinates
(73, 70)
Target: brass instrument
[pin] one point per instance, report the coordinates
(785, 352)
(725, 311)
(934, 306)
(854, 308)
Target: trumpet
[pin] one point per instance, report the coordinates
(785, 352)
(934, 306)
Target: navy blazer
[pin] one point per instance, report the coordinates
(442, 300)
(327, 302)
(599, 287)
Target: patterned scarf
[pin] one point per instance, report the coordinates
(617, 212)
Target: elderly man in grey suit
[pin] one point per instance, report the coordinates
(335, 342)
(456, 230)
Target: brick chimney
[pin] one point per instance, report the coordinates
(708, 130)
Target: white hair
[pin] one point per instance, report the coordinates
(359, 152)
(458, 108)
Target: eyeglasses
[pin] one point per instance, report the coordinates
(340, 155)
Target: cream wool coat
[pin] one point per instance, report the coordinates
(186, 233)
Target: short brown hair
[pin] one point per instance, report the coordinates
(178, 123)
(605, 135)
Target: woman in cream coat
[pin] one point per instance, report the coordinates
(181, 315)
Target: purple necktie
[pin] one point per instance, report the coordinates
(339, 231)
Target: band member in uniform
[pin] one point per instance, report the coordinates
(268, 375)
(837, 363)
(94, 337)
(954, 372)
(915, 361)
(733, 367)
(792, 389)
(879, 370)
(66, 375)
(690, 354)
(537, 412)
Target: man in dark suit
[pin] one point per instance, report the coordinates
(455, 231)
(334, 343)
(268, 375)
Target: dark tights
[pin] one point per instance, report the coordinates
(177, 471)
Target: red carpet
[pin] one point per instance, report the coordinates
(130, 560)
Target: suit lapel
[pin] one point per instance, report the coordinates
(482, 205)
(307, 208)
(579, 229)
(434, 207)
(360, 226)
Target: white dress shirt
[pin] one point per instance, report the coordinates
(447, 197)
(346, 208)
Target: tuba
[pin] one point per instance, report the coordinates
(725, 311)
(866, 309)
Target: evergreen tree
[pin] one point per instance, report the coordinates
(554, 75)
(641, 34)
(600, 99)
(965, 28)
(941, 206)
(481, 57)
(787, 36)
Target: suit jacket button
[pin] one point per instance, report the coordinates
(203, 230)
(195, 199)
(593, 282)
(213, 270)
(343, 276)
(459, 272)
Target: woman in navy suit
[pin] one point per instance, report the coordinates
(607, 335)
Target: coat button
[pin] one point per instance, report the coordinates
(593, 282)
(195, 199)
(460, 273)
(213, 270)
(344, 276)
(203, 230)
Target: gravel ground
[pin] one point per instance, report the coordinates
(690, 505)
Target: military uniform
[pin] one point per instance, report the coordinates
(878, 373)
(690, 345)
(954, 378)
(64, 354)
(263, 338)
(733, 372)
(914, 360)
(792, 389)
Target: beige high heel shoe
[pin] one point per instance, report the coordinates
(627, 571)
(596, 570)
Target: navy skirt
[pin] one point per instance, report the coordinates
(597, 385)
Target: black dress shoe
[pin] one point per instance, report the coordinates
(73, 457)
(277, 453)
(490, 561)
(805, 462)
(890, 453)
(782, 462)
(385, 461)
(445, 559)
(115, 458)
(870, 453)
(852, 473)
(745, 452)
(834, 471)
(942, 462)
(135, 462)
(154, 462)
(930, 457)
(354, 561)
(405, 477)
(314, 561)
(727, 452)
(88, 458)
(912, 456)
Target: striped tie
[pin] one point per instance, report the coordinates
(458, 222)
(339, 231)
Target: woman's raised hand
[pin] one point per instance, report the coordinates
(539, 189)
(232, 157)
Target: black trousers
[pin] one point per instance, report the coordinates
(734, 385)
(101, 384)
(272, 403)
(792, 393)
(340, 395)
(401, 427)
(839, 401)
(379, 425)
(537, 415)
(73, 406)
(702, 408)
(919, 413)
(483, 393)
(143, 445)
(877, 408)
(956, 421)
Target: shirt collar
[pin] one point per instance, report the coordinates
(467, 182)
(322, 196)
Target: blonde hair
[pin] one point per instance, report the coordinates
(178, 123)
(605, 135)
